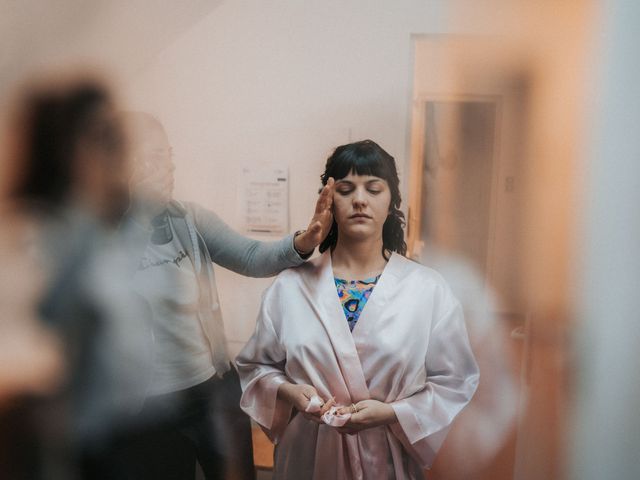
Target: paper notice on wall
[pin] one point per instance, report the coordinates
(264, 200)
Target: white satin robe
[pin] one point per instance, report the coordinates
(409, 349)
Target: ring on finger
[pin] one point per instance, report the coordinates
(354, 408)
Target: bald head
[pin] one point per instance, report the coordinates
(144, 131)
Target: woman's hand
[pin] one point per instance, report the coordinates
(320, 223)
(299, 396)
(370, 413)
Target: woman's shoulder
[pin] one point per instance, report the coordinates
(308, 270)
(428, 280)
(302, 277)
(291, 281)
(410, 269)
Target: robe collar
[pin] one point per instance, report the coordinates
(333, 319)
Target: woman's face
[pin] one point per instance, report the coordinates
(361, 206)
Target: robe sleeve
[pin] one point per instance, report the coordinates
(452, 378)
(261, 367)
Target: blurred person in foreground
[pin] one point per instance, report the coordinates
(70, 182)
(483, 436)
(192, 391)
(487, 425)
(360, 360)
(31, 355)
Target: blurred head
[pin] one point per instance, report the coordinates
(151, 156)
(71, 149)
(367, 196)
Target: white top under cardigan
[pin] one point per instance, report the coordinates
(178, 282)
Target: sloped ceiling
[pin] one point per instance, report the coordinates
(116, 34)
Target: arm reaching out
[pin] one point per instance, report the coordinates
(254, 258)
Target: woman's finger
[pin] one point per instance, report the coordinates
(326, 197)
(350, 409)
(327, 405)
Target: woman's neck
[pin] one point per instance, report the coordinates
(357, 259)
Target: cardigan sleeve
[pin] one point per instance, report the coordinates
(241, 254)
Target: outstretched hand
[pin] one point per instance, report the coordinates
(320, 222)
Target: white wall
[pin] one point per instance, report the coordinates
(281, 81)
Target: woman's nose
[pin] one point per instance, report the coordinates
(359, 198)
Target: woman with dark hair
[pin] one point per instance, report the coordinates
(368, 158)
(371, 397)
(70, 186)
(71, 153)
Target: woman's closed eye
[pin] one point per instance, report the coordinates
(347, 191)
